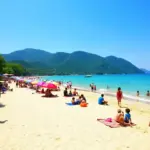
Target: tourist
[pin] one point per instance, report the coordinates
(101, 100)
(138, 93)
(83, 97)
(42, 91)
(75, 93)
(70, 93)
(83, 103)
(120, 117)
(127, 118)
(148, 93)
(119, 96)
(73, 101)
(94, 88)
(17, 84)
(65, 92)
(50, 94)
(78, 100)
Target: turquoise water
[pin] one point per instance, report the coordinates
(129, 83)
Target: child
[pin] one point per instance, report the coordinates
(120, 117)
(127, 118)
(119, 96)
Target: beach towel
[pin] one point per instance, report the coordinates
(70, 104)
(109, 122)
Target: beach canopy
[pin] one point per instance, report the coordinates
(49, 86)
(34, 82)
(55, 83)
(40, 83)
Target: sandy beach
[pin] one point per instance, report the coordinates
(36, 123)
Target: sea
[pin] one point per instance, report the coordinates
(129, 84)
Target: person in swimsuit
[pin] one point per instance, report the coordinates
(148, 94)
(120, 117)
(138, 94)
(119, 96)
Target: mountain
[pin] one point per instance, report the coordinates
(79, 62)
(29, 55)
(145, 71)
(123, 65)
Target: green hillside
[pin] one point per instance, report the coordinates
(79, 62)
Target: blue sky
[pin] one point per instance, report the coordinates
(103, 27)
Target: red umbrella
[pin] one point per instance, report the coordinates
(49, 86)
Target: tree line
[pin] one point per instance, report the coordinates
(12, 68)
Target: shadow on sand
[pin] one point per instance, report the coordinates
(1, 122)
(2, 105)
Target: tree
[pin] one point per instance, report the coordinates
(2, 64)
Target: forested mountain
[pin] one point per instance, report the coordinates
(79, 62)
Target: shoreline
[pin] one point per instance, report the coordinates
(109, 93)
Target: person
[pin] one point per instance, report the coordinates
(50, 94)
(94, 88)
(127, 117)
(101, 100)
(119, 96)
(78, 100)
(73, 100)
(65, 92)
(70, 93)
(75, 93)
(83, 97)
(17, 84)
(47, 93)
(83, 103)
(138, 93)
(120, 117)
(148, 94)
(42, 91)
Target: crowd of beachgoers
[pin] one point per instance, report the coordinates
(46, 88)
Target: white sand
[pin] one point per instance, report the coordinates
(36, 123)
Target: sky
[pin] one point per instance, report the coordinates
(104, 27)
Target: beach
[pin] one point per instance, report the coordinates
(37, 123)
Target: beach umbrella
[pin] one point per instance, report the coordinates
(49, 86)
(28, 81)
(55, 83)
(34, 82)
(40, 83)
(21, 80)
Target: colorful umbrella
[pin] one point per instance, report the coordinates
(34, 82)
(55, 83)
(40, 83)
(49, 86)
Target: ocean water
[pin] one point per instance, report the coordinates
(130, 84)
